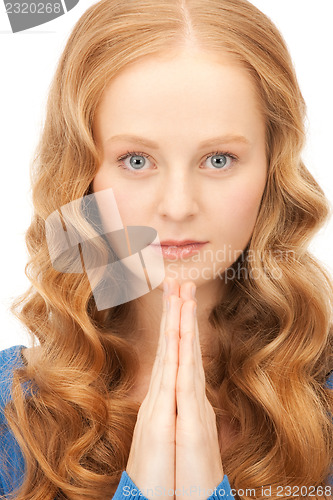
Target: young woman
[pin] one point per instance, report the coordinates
(190, 114)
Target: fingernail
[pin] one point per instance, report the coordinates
(193, 291)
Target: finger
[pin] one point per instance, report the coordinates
(166, 382)
(198, 355)
(199, 374)
(173, 286)
(157, 372)
(169, 315)
(170, 287)
(166, 292)
(200, 379)
(187, 401)
(171, 328)
(160, 348)
(187, 290)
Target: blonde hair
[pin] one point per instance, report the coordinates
(275, 335)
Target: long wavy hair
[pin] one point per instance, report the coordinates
(273, 328)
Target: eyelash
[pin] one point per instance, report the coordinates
(136, 153)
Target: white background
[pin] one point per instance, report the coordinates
(27, 63)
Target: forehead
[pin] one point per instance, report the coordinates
(191, 91)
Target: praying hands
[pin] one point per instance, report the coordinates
(175, 441)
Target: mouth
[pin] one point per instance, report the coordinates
(173, 249)
(182, 243)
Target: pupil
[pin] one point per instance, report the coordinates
(135, 159)
(221, 158)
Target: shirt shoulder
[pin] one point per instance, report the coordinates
(11, 459)
(329, 380)
(10, 359)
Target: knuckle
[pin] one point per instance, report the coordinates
(154, 432)
(187, 389)
(170, 332)
(188, 333)
(192, 302)
(188, 364)
(168, 381)
(164, 387)
(170, 362)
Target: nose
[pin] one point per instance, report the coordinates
(178, 194)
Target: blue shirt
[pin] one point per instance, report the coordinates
(9, 360)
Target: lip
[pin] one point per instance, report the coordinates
(178, 251)
(177, 243)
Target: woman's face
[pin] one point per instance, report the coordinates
(196, 168)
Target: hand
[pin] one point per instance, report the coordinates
(198, 459)
(151, 462)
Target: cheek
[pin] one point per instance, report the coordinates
(127, 198)
(239, 211)
(103, 180)
(245, 206)
(127, 205)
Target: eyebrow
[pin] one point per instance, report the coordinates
(230, 138)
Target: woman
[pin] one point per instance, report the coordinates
(147, 396)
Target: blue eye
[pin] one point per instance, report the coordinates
(222, 161)
(136, 161)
